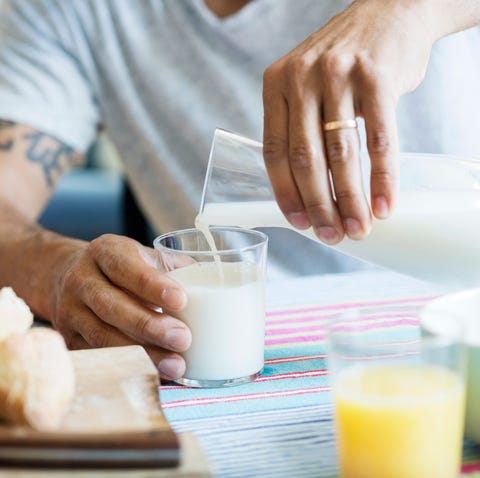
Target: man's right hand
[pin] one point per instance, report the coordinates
(357, 65)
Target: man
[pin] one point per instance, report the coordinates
(161, 75)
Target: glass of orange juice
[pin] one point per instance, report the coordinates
(399, 396)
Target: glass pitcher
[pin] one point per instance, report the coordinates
(433, 234)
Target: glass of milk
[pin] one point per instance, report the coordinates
(222, 270)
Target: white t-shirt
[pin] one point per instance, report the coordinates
(161, 75)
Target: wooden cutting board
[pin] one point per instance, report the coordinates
(116, 407)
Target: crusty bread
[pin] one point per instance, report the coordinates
(15, 315)
(36, 377)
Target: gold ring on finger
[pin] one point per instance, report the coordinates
(340, 124)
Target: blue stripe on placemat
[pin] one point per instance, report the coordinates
(270, 391)
(300, 442)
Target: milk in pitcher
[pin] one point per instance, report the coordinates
(431, 235)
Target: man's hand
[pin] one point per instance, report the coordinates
(106, 296)
(357, 65)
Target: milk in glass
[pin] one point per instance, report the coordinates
(225, 313)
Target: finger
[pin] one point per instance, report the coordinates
(169, 364)
(98, 334)
(378, 110)
(275, 152)
(77, 342)
(309, 167)
(123, 312)
(93, 333)
(122, 261)
(343, 152)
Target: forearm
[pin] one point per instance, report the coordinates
(31, 163)
(455, 15)
(31, 258)
(439, 18)
(443, 17)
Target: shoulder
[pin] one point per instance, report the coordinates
(34, 17)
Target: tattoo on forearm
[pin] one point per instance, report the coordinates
(6, 124)
(53, 158)
(6, 145)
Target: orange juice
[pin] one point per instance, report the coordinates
(399, 421)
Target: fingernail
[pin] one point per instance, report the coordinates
(299, 220)
(173, 298)
(380, 207)
(171, 367)
(353, 228)
(327, 234)
(178, 339)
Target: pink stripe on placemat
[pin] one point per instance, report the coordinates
(301, 318)
(311, 328)
(293, 330)
(296, 339)
(326, 317)
(274, 313)
(299, 358)
(247, 396)
(471, 467)
(373, 326)
(283, 376)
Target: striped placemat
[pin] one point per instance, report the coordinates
(281, 425)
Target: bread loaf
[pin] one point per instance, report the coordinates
(36, 372)
(15, 315)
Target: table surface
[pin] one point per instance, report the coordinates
(281, 424)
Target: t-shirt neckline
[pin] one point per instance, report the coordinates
(242, 16)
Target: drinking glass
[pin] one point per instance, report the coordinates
(399, 396)
(225, 285)
(437, 318)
